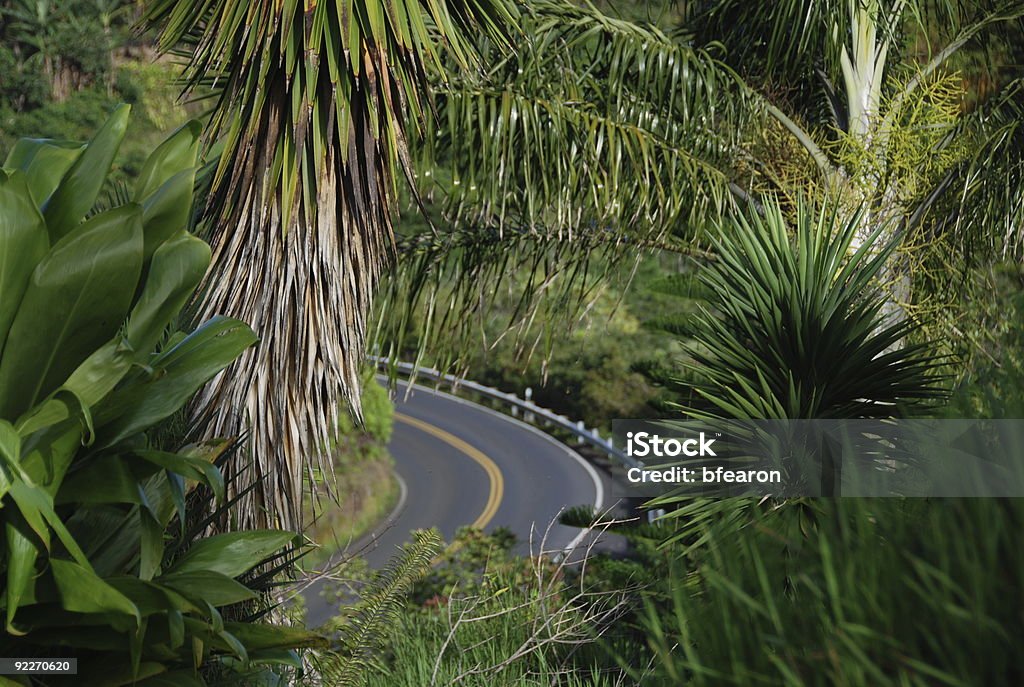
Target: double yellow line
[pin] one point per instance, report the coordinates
(497, 482)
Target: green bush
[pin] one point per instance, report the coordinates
(22, 85)
(92, 567)
(491, 619)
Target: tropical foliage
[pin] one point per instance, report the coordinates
(594, 138)
(856, 103)
(484, 616)
(313, 104)
(795, 328)
(50, 49)
(94, 565)
(843, 591)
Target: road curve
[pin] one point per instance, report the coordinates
(463, 464)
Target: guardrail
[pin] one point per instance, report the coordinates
(528, 408)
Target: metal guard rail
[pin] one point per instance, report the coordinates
(528, 407)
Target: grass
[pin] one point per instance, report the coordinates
(369, 491)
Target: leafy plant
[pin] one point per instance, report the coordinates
(498, 619)
(363, 630)
(86, 369)
(623, 133)
(796, 329)
(864, 591)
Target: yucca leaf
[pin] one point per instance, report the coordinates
(799, 331)
(313, 104)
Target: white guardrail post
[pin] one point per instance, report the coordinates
(530, 410)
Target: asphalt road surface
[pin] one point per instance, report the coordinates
(462, 464)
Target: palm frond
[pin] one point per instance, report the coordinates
(592, 122)
(788, 46)
(981, 202)
(452, 292)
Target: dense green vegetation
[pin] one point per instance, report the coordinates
(87, 369)
(710, 209)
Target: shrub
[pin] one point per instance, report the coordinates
(92, 567)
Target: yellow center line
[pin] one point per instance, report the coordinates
(493, 473)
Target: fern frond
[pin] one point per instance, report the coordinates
(362, 633)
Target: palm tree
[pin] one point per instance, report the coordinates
(313, 104)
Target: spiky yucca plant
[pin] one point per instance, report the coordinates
(313, 100)
(797, 330)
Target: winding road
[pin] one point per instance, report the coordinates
(462, 464)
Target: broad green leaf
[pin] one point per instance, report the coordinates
(46, 459)
(89, 383)
(76, 301)
(177, 267)
(35, 502)
(176, 628)
(27, 498)
(106, 479)
(23, 243)
(10, 452)
(46, 414)
(212, 587)
(44, 162)
(81, 591)
(22, 553)
(82, 183)
(151, 544)
(176, 154)
(149, 597)
(282, 657)
(177, 374)
(232, 553)
(166, 211)
(216, 637)
(200, 469)
(256, 636)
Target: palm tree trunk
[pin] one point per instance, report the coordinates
(306, 289)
